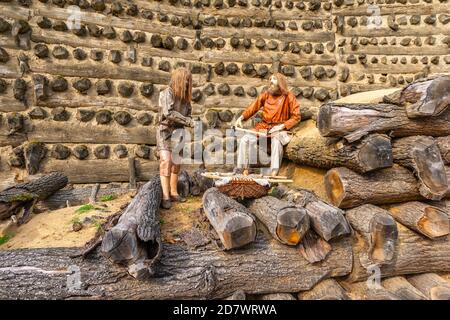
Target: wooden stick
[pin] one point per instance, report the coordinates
(251, 131)
(94, 192)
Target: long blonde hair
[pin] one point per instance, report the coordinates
(181, 84)
(282, 83)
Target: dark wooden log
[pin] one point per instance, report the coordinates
(432, 222)
(328, 221)
(308, 147)
(421, 154)
(182, 274)
(328, 289)
(286, 222)
(347, 189)
(414, 254)
(313, 248)
(379, 231)
(233, 222)
(136, 241)
(424, 97)
(400, 287)
(353, 121)
(25, 195)
(444, 147)
(431, 285)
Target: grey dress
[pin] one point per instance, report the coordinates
(173, 114)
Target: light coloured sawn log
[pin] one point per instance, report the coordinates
(443, 144)
(328, 289)
(400, 287)
(431, 285)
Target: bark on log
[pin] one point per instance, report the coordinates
(328, 221)
(444, 148)
(363, 291)
(313, 248)
(185, 273)
(232, 221)
(25, 195)
(277, 296)
(423, 98)
(347, 189)
(421, 154)
(431, 221)
(136, 241)
(379, 231)
(353, 121)
(400, 287)
(311, 149)
(286, 222)
(431, 285)
(238, 295)
(414, 254)
(328, 289)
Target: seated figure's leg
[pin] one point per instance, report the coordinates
(247, 151)
(276, 155)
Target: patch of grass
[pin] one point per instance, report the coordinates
(84, 208)
(108, 197)
(98, 226)
(75, 219)
(4, 239)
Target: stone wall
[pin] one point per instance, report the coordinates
(80, 78)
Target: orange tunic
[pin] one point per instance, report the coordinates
(275, 110)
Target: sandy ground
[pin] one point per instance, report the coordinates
(54, 228)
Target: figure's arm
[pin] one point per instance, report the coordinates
(294, 111)
(166, 102)
(254, 107)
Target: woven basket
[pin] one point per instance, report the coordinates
(242, 188)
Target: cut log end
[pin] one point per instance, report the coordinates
(239, 231)
(376, 153)
(384, 238)
(291, 226)
(334, 187)
(434, 223)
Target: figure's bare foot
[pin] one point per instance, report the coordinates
(245, 172)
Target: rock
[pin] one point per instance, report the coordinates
(60, 52)
(85, 115)
(232, 68)
(239, 91)
(125, 89)
(80, 152)
(3, 86)
(41, 50)
(82, 85)
(59, 84)
(120, 151)
(252, 92)
(60, 152)
(164, 65)
(43, 23)
(143, 151)
(79, 54)
(94, 30)
(262, 71)
(156, 41)
(126, 36)
(212, 118)
(103, 86)
(77, 226)
(209, 89)
(391, 22)
(220, 43)
(96, 55)
(147, 89)
(60, 114)
(320, 72)
(308, 92)
(103, 116)
(306, 72)
(196, 95)
(296, 91)
(430, 19)
(115, 56)
(19, 89)
(260, 43)
(109, 32)
(37, 113)
(225, 116)
(147, 61)
(59, 25)
(321, 94)
(272, 45)
(144, 118)
(219, 68)
(288, 70)
(223, 89)
(14, 122)
(182, 44)
(248, 68)
(415, 19)
(122, 117)
(102, 152)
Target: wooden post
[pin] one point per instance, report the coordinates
(132, 172)
(94, 192)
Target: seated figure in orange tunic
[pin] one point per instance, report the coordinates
(280, 112)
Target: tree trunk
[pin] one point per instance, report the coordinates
(286, 222)
(136, 241)
(353, 121)
(444, 148)
(400, 287)
(311, 149)
(347, 189)
(431, 221)
(328, 289)
(421, 154)
(423, 98)
(379, 231)
(232, 221)
(328, 221)
(182, 274)
(24, 195)
(414, 254)
(431, 285)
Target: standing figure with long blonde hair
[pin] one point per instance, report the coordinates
(174, 113)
